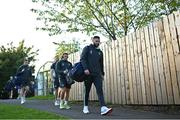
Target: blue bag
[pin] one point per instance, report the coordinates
(77, 72)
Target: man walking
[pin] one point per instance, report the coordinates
(25, 75)
(92, 62)
(62, 68)
(55, 80)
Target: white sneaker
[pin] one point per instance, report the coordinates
(56, 103)
(61, 105)
(22, 100)
(85, 110)
(67, 106)
(105, 110)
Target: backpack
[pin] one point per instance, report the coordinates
(77, 72)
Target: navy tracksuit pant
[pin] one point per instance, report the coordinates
(97, 81)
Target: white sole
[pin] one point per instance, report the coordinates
(109, 111)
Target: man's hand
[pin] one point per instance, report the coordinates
(66, 71)
(86, 72)
(32, 82)
(54, 74)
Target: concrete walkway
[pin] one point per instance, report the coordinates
(76, 111)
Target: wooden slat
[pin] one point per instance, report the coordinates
(72, 96)
(150, 66)
(79, 94)
(106, 79)
(115, 71)
(81, 91)
(175, 43)
(138, 81)
(75, 91)
(122, 73)
(126, 71)
(118, 73)
(155, 65)
(171, 61)
(177, 25)
(109, 73)
(159, 62)
(165, 63)
(140, 56)
(174, 33)
(145, 66)
(128, 47)
(133, 71)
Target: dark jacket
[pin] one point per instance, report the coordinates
(53, 66)
(61, 66)
(92, 59)
(9, 85)
(24, 72)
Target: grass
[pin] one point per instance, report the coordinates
(19, 112)
(48, 97)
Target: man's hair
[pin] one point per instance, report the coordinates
(63, 55)
(96, 37)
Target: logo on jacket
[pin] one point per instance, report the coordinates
(90, 51)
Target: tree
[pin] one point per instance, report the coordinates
(12, 57)
(64, 47)
(166, 7)
(112, 18)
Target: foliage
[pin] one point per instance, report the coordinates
(64, 47)
(112, 18)
(166, 7)
(12, 57)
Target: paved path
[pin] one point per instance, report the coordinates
(76, 111)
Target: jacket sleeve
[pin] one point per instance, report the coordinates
(102, 64)
(30, 73)
(83, 58)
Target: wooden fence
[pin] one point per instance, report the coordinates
(141, 68)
